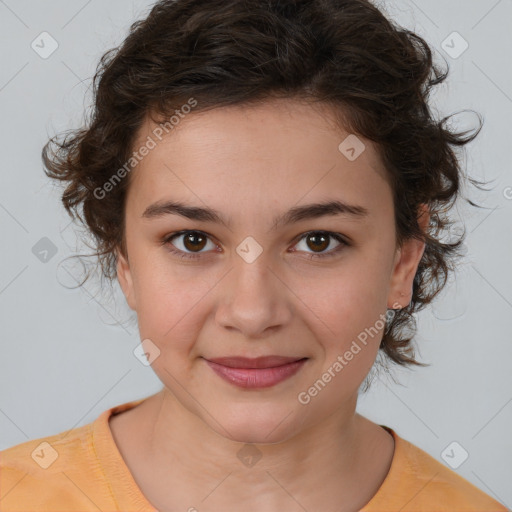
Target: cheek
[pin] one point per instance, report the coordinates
(346, 303)
(348, 323)
(170, 305)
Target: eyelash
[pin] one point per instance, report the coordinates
(193, 256)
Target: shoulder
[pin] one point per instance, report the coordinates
(418, 482)
(78, 469)
(437, 481)
(45, 473)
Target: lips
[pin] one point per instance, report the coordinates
(256, 373)
(257, 362)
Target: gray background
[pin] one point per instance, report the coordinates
(67, 354)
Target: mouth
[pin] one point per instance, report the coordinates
(256, 362)
(254, 373)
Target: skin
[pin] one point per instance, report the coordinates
(251, 164)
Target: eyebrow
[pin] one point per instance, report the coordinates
(296, 214)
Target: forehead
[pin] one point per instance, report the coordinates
(281, 151)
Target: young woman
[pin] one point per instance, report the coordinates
(266, 181)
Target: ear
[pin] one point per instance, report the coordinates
(406, 264)
(124, 277)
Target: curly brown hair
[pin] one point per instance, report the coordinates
(376, 75)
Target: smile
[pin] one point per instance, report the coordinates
(256, 373)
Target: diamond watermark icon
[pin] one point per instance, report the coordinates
(352, 147)
(146, 352)
(44, 45)
(249, 249)
(454, 455)
(249, 455)
(44, 250)
(45, 455)
(454, 45)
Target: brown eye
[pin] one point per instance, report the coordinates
(194, 241)
(187, 244)
(319, 241)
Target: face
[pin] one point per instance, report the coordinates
(249, 268)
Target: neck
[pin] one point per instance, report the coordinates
(194, 464)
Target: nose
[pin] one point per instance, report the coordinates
(254, 299)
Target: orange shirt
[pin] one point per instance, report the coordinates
(82, 470)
